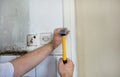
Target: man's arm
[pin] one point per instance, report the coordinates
(28, 61)
(66, 70)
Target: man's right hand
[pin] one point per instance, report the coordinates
(66, 70)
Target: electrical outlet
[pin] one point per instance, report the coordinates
(45, 38)
(32, 40)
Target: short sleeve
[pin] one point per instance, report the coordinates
(6, 69)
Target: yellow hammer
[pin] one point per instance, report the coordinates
(63, 33)
(64, 48)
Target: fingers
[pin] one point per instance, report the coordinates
(68, 31)
(57, 30)
(68, 61)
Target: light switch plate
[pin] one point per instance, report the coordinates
(32, 40)
(45, 38)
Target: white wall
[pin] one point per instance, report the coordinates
(98, 37)
(18, 18)
(14, 24)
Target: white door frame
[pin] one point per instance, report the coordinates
(69, 22)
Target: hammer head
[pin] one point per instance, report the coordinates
(63, 31)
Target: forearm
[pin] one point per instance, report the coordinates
(26, 62)
(64, 75)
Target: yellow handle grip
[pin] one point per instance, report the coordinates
(64, 48)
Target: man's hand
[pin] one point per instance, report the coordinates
(66, 70)
(57, 37)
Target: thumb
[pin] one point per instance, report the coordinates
(60, 61)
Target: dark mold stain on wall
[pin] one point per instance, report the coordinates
(14, 25)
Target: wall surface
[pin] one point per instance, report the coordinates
(20, 18)
(14, 24)
(28, 24)
(98, 37)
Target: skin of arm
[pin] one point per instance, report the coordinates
(28, 61)
(66, 70)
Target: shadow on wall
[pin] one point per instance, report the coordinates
(14, 19)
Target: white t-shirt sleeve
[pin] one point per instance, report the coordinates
(6, 69)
